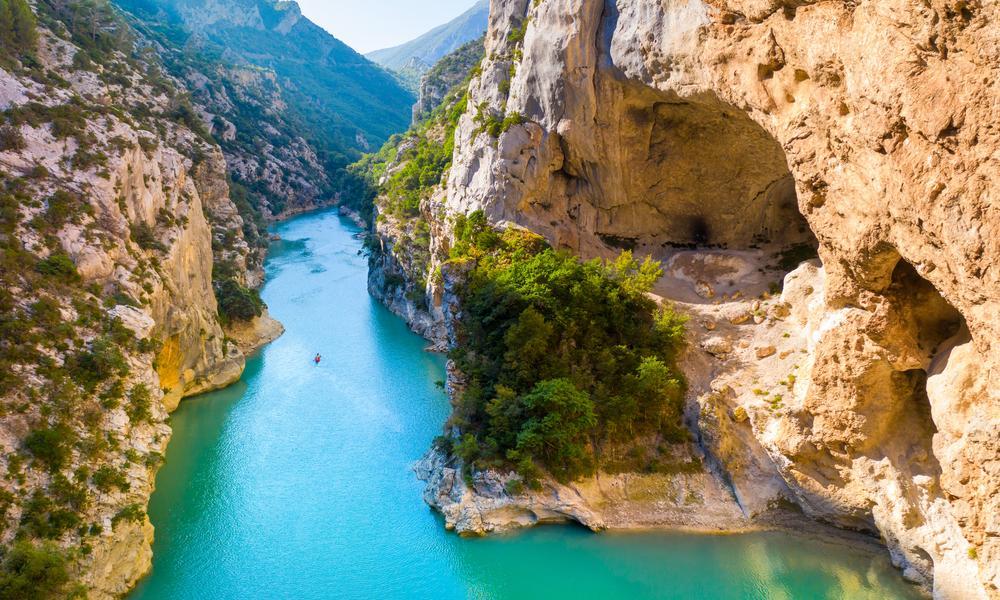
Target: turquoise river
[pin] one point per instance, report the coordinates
(296, 482)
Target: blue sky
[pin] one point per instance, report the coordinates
(368, 25)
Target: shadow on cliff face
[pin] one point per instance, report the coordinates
(662, 172)
(923, 326)
(921, 329)
(881, 359)
(933, 320)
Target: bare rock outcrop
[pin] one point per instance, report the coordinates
(494, 502)
(868, 126)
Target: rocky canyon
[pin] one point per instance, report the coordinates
(697, 265)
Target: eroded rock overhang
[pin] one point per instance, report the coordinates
(709, 123)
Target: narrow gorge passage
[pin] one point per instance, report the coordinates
(499, 299)
(296, 482)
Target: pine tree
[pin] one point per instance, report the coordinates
(25, 34)
(6, 28)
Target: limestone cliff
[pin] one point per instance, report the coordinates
(115, 210)
(408, 242)
(721, 137)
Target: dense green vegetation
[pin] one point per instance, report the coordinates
(18, 29)
(567, 366)
(238, 303)
(426, 161)
(566, 363)
(30, 572)
(425, 150)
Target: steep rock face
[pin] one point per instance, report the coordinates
(247, 112)
(183, 304)
(109, 223)
(403, 260)
(736, 124)
(244, 108)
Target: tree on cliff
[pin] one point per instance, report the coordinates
(18, 31)
(238, 303)
(30, 572)
(567, 362)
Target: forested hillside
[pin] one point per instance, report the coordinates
(291, 105)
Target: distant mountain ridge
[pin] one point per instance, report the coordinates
(335, 90)
(290, 105)
(415, 57)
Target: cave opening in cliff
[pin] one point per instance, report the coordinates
(690, 173)
(932, 327)
(932, 319)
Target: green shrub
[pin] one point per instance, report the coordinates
(58, 265)
(132, 513)
(67, 493)
(33, 572)
(18, 28)
(145, 237)
(493, 125)
(6, 501)
(238, 303)
(45, 313)
(11, 139)
(50, 446)
(467, 448)
(107, 478)
(102, 361)
(42, 518)
(67, 120)
(140, 407)
(186, 115)
(556, 420)
(65, 207)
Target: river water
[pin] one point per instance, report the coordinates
(296, 482)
